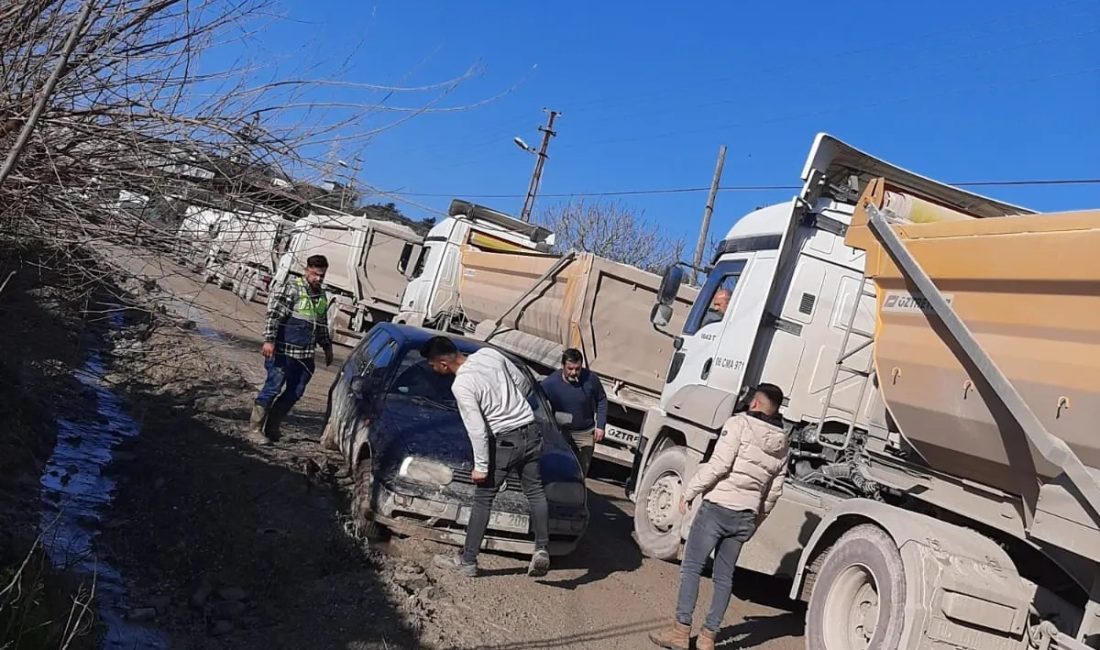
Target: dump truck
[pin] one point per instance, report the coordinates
(245, 252)
(536, 305)
(938, 352)
(197, 230)
(368, 263)
(430, 298)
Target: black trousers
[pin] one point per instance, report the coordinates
(513, 453)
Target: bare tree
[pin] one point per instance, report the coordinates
(610, 230)
(113, 120)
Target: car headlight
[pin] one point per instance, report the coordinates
(421, 470)
(565, 492)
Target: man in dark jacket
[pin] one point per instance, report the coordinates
(576, 391)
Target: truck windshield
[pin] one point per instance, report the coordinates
(715, 296)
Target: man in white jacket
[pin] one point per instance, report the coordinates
(740, 484)
(491, 394)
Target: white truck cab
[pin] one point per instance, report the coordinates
(431, 295)
(792, 286)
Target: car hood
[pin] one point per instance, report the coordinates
(416, 428)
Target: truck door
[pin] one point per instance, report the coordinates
(694, 361)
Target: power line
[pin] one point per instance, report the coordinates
(740, 188)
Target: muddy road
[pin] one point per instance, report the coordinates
(227, 545)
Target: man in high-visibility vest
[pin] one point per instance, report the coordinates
(297, 322)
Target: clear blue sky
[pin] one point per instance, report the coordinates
(957, 91)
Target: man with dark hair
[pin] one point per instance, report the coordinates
(740, 485)
(491, 394)
(578, 393)
(297, 322)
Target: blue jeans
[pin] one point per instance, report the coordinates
(282, 371)
(722, 531)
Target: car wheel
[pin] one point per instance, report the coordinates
(657, 515)
(361, 503)
(858, 599)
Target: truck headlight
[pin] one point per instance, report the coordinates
(421, 470)
(565, 492)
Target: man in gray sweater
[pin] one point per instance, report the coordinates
(491, 394)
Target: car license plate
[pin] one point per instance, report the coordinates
(628, 438)
(511, 522)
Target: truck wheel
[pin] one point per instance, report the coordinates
(858, 599)
(657, 515)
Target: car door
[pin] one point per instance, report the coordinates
(341, 399)
(364, 395)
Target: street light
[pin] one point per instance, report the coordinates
(523, 145)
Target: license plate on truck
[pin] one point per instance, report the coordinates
(511, 522)
(621, 436)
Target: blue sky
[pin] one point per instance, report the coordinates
(648, 91)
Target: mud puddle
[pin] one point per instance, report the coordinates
(76, 492)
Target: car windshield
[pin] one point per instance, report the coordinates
(416, 381)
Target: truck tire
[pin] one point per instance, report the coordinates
(657, 515)
(858, 599)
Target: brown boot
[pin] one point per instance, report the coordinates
(676, 636)
(256, 425)
(705, 640)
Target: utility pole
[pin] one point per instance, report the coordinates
(704, 230)
(540, 160)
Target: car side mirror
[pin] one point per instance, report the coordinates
(361, 386)
(562, 418)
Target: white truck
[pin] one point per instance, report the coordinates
(434, 268)
(244, 253)
(940, 370)
(197, 231)
(368, 262)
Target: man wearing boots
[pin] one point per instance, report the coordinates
(297, 322)
(740, 484)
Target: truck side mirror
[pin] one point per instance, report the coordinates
(666, 295)
(660, 315)
(670, 285)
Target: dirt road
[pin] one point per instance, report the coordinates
(235, 546)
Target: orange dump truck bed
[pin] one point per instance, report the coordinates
(591, 303)
(1028, 289)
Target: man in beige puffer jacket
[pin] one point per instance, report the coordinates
(740, 484)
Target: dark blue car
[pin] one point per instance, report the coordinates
(396, 422)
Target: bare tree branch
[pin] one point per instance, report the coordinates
(612, 231)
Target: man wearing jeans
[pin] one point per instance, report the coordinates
(740, 484)
(297, 322)
(491, 395)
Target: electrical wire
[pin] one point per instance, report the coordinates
(738, 188)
